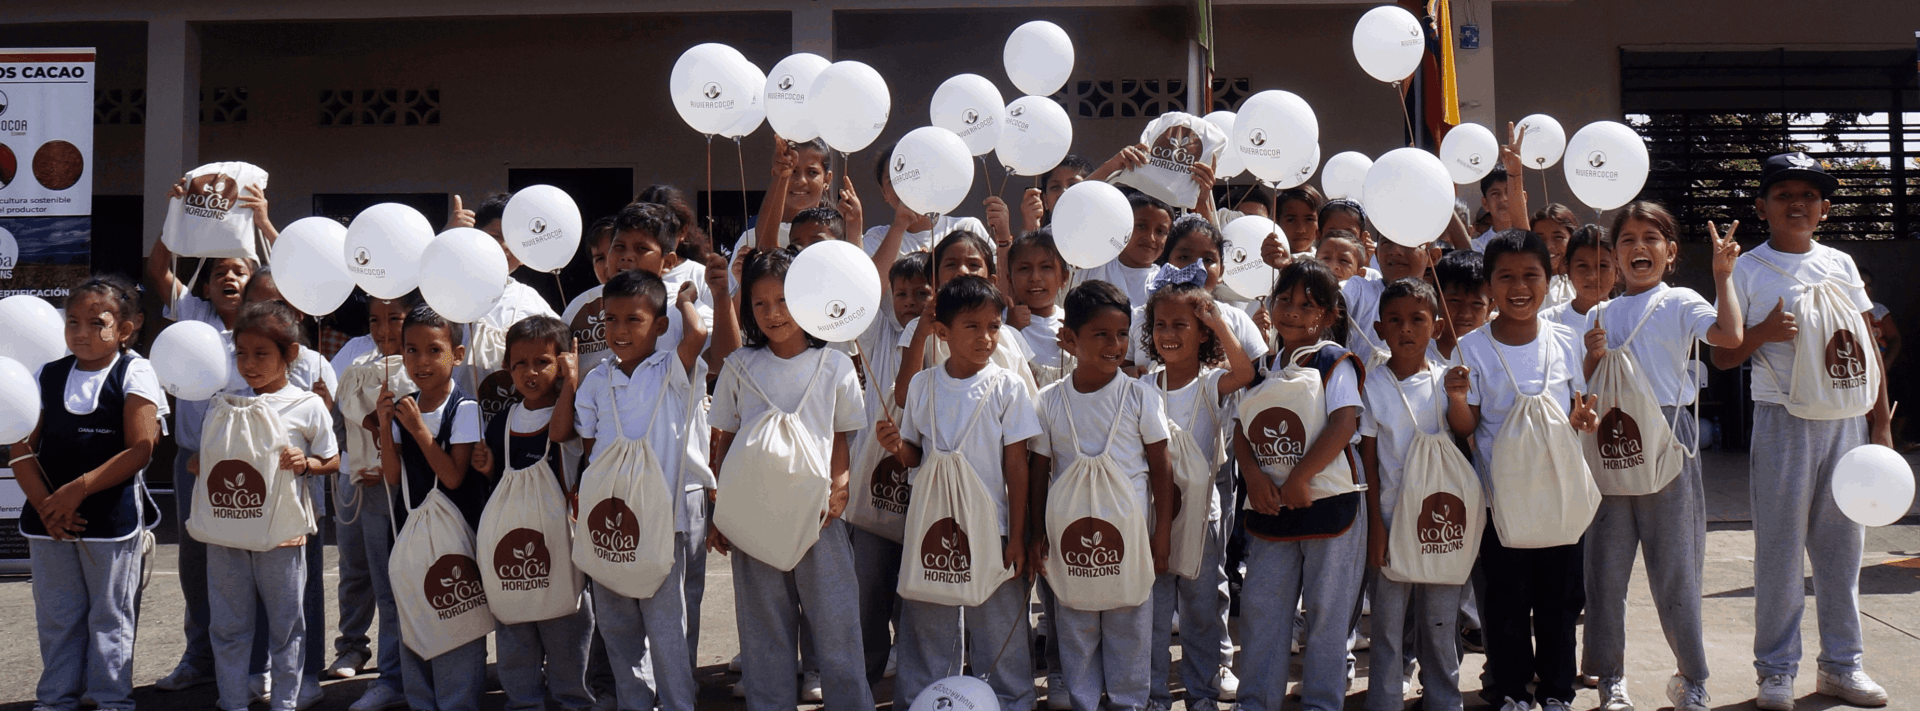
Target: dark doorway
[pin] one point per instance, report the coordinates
(599, 192)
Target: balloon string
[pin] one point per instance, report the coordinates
(740, 157)
(562, 288)
(1545, 197)
(1407, 117)
(710, 210)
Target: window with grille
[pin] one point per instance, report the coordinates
(1709, 118)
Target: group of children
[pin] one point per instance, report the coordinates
(1123, 446)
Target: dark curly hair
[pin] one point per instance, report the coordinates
(764, 265)
(1212, 352)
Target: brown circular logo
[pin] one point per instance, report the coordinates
(614, 530)
(1277, 437)
(1619, 440)
(589, 328)
(497, 395)
(945, 547)
(58, 164)
(8, 165)
(1092, 548)
(889, 487)
(521, 560)
(211, 195)
(452, 585)
(236, 490)
(1177, 145)
(1442, 524)
(1846, 362)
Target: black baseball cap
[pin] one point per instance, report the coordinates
(1796, 166)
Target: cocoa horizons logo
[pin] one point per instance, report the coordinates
(1176, 149)
(614, 530)
(521, 560)
(453, 586)
(945, 554)
(889, 487)
(590, 328)
(1846, 366)
(210, 196)
(497, 394)
(1092, 548)
(1277, 437)
(1442, 524)
(1619, 440)
(236, 490)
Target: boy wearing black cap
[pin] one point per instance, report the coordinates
(1802, 423)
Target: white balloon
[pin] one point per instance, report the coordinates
(1230, 164)
(1543, 143)
(756, 112)
(191, 360)
(956, 693)
(970, 107)
(786, 94)
(1608, 166)
(35, 333)
(850, 105)
(1039, 58)
(1873, 485)
(1409, 197)
(930, 170)
(19, 402)
(1301, 172)
(1388, 42)
(709, 88)
(542, 227)
(1036, 137)
(1345, 175)
(1470, 152)
(1274, 133)
(310, 266)
(833, 291)
(1092, 222)
(463, 274)
(383, 249)
(1246, 273)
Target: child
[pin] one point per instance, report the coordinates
(1299, 217)
(1794, 455)
(816, 224)
(1397, 262)
(959, 254)
(976, 408)
(910, 231)
(1036, 204)
(1402, 397)
(1503, 193)
(649, 392)
(1288, 466)
(1037, 273)
(1256, 200)
(428, 438)
(1133, 270)
(1190, 338)
(87, 508)
(365, 531)
(1462, 279)
(800, 181)
(1671, 523)
(267, 342)
(1193, 256)
(1344, 214)
(485, 338)
(1108, 651)
(1590, 273)
(1556, 224)
(784, 368)
(1342, 252)
(1533, 595)
(877, 558)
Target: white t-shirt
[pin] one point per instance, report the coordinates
(833, 404)
(645, 411)
(583, 318)
(941, 417)
(1199, 409)
(1480, 243)
(1493, 391)
(187, 307)
(689, 271)
(466, 422)
(1010, 352)
(1131, 280)
(1042, 336)
(1760, 288)
(83, 386)
(924, 241)
(309, 425)
(1130, 408)
(1363, 308)
(350, 351)
(307, 368)
(1385, 418)
(1237, 322)
(880, 351)
(1564, 314)
(1682, 317)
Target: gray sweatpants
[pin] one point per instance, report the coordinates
(357, 601)
(876, 566)
(694, 581)
(193, 568)
(646, 642)
(1670, 527)
(1203, 624)
(1105, 652)
(549, 657)
(930, 646)
(1323, 577)
(768, 603)
(83, 606)
(278, 578)
(1795, 518)
(1435, 611)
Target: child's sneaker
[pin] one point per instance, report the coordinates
(1057, 699)
(1227, 684)
(380, 697)
(183, 677)
(1776, 693)
(1613, 695)
(810, 687)
(1853, 687)
(1514, 704)
(1555, 705)
(1686, 694)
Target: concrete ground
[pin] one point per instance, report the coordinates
(1889, 579)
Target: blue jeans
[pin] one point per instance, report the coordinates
(83, 603)
(357, 601)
